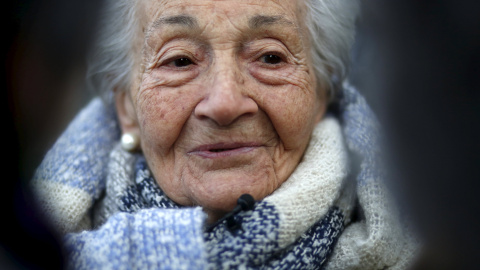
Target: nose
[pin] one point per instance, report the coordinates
(225, 100)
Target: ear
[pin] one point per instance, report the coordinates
(126, 113)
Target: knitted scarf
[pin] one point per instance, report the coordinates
(330, 213)
(294, 228)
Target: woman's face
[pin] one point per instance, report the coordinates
(223, 97)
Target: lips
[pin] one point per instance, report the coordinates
(223, 149)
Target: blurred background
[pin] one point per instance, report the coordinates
(416, 62)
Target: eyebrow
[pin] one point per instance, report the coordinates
(182, 20)
(258, 21)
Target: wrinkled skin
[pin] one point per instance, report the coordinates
(223, 97)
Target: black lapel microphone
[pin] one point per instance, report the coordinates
(244, 203)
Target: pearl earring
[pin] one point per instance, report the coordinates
(130, 142)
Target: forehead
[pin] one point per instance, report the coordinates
(208, 11)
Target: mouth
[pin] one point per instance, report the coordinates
(223, 149)
(220, 150)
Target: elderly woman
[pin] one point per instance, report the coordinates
(215, 99)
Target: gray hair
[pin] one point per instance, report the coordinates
(331, 24)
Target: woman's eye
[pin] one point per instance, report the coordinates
(271, 59)
(181, 62)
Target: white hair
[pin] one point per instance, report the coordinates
(331, 24)
(111, 61)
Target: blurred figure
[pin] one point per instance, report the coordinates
(419, 65)
(43, 81)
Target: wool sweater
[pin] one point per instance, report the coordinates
(73, 179)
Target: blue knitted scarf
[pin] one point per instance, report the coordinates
(250, 244)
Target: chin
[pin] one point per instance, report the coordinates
(218, 195)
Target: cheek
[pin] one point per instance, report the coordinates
(288, 97)
(292, 111)
(162, 113)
